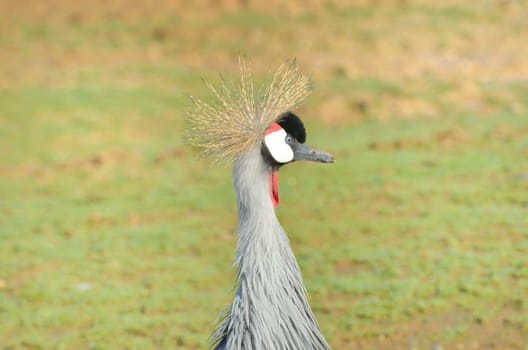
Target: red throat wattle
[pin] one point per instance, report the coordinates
(274, 188)
(274, 176)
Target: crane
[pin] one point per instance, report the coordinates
(254, 126)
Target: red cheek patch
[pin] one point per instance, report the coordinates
(273, 127)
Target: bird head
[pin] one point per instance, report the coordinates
(284, 143)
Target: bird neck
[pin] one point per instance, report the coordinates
(257, 222)
(270, 310)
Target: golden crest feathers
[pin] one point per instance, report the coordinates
(240, 112)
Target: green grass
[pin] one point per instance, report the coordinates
(115, 235)
(138, 251)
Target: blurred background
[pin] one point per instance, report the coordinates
(114, 235)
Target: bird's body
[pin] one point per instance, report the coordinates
(256, 129)
(270, 310)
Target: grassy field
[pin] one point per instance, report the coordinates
(114, 235)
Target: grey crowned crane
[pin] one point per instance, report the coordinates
(254, 127)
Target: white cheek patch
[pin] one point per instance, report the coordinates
(277, 146)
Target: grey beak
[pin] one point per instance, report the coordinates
(305, 152)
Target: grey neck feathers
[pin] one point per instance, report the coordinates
(270, 310)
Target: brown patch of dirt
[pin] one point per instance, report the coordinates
(16, 282)
(506, 133)
(406, 108)
(349, 267)
(448, 139)
(397, 145)
(453, 138)
(108, 159)
(175, 153)
(336, 111)
(102, 160)
(98, 221)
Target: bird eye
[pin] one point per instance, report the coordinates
(288, 139)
